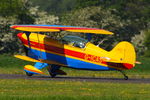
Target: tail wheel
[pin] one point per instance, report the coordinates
(123, 73)
(29, 74)
(126, 77)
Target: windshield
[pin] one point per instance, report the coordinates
(74, 41)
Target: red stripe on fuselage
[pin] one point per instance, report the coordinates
(52, 48)
(69, 52)
(128, 66)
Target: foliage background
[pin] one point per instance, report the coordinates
(128, 19)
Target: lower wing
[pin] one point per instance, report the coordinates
(40, 60)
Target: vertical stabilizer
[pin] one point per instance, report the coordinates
(124, 52)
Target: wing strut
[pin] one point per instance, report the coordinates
(28, 34)
(40, 56)
(89, 36)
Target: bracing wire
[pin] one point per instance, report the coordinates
(100, 42)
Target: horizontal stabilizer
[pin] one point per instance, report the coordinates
(137, 62)
(32, 69)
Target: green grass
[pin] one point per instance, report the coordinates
(74, 90)
(22, 89)
(11, 65)
(9, 61)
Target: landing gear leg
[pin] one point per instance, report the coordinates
(123, 73)
(55, 70)
(51, 71)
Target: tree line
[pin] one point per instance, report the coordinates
(128, 19)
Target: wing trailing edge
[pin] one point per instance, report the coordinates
(58, 28)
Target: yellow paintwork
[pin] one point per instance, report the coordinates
(123, 53)
(29, 29)
(38, 28)
(32, 69)
(26, 58)
(34, 60)
(48, 41)
(93, 31)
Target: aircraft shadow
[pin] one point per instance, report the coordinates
(92, 79)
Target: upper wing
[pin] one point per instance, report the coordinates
(35, 28)
(57, 28)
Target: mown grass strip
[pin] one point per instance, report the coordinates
(60, 90)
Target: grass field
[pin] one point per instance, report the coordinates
(22, 89)
(69, 90)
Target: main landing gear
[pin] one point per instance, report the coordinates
(55, 70)
(29, 74)
(123, 73)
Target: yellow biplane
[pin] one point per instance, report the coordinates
(71, 51)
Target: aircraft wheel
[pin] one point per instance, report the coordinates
(126, 77)
(28, 74)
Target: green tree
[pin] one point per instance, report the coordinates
(10, 7)
(138, 42)
(97, 17)
(57, 7)
(87, 3)
(18, 9)
(147, 42)
(135, 11)
(25, 15)
(135, 14)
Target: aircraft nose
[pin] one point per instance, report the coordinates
(19, 35)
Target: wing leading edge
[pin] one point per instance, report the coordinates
(58, 28)
(40, 60)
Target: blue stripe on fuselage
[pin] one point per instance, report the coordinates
(73, 63)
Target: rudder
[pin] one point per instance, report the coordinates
(124, 52)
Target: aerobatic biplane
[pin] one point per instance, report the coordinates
(71, 51)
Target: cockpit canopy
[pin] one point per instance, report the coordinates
(74, 41)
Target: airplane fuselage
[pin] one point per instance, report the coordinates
(89, 57)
